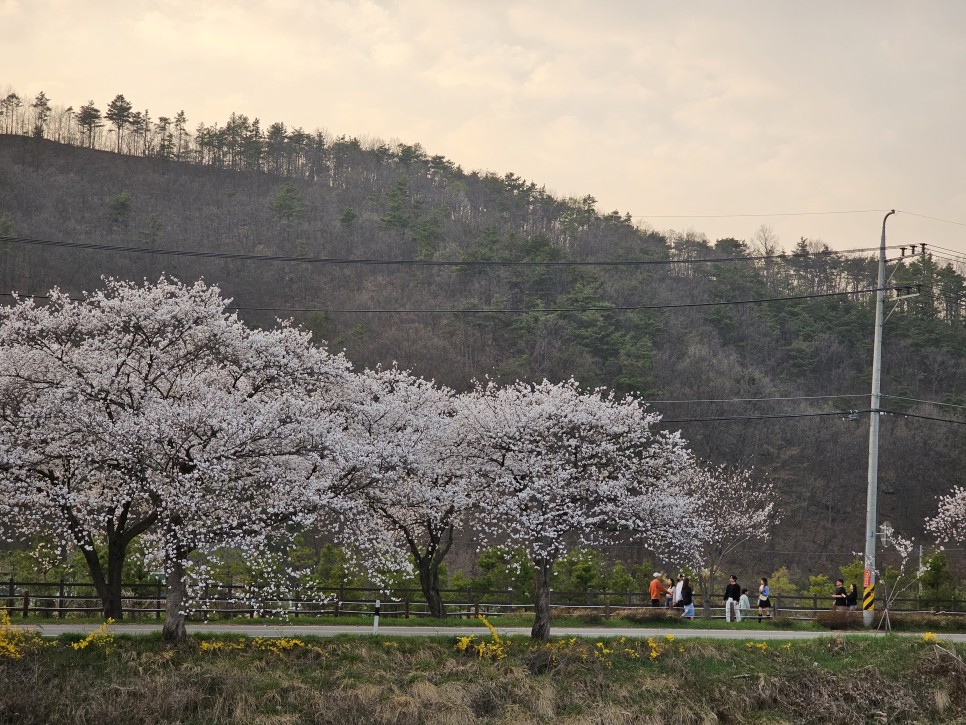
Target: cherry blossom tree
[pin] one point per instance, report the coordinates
(407, 467)
(566, 468)
(731, 507)
(240, 460)
(949, 523)
(150, 410)
(74, 376)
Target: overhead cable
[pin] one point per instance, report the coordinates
(839, 413)
(548, 310)
(927, 402)
(527, 310)
(760, 400)
(348, 261)
(737, 216)
(934, 218)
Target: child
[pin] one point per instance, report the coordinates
(744, 605)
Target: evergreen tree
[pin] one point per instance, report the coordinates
(119, 114)
(89, 120)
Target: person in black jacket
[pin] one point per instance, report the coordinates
(732, 594)
(840, 596)
(852, 598)
(687, 600)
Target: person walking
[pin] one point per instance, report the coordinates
(669, 597)
(657, 589)
(687, 599)
(852, 599)
(677, 591)
(764, 603)
(744, 605)
(840, 597)
(732, 594)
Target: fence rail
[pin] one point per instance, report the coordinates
(63, 599)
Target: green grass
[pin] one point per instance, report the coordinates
(644, 619)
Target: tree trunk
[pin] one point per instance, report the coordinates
(108, 585)
(116, 552)
(541, 622)
(174, 631)
(707, 588)
(429, 582)
(428, 563)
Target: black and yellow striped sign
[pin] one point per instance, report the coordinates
(868, 597)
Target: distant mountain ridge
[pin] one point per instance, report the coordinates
(400, 204)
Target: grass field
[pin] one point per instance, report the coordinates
(579, 618)
(104, 678)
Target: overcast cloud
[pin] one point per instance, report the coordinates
(653, 108)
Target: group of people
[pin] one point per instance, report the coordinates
(736, 601)
(843, 599)
(664, 591)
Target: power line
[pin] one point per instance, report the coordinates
(762, 400)
(934, 218)
(839, 413)
(494, 310)
(602, 308)
(928, 402)
(947, 249)
(346, 261)
(735, 216)
(924, 417)
(947, 258)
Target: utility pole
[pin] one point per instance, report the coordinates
(871, 514)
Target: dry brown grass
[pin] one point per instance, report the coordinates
(411, 682)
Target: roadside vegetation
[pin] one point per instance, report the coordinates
(490, 678)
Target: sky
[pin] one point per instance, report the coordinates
(811, 118)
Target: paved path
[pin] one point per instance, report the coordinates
(308, 630)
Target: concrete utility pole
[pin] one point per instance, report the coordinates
(871, 514)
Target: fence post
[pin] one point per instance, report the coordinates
(60, 600)
(469, 601)
(335, 608)
(406, 606)
(777, 605)
(26, 603)
(509, 596)
(157, 598)
(606, 608)
(11, 594)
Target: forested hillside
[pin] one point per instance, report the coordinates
(396, 255)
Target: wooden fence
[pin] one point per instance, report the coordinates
(63, 599)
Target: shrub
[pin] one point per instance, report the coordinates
(648, 614)
(927, 622)
(15, 643)
(836, 619)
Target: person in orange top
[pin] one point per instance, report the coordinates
(657, 589)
